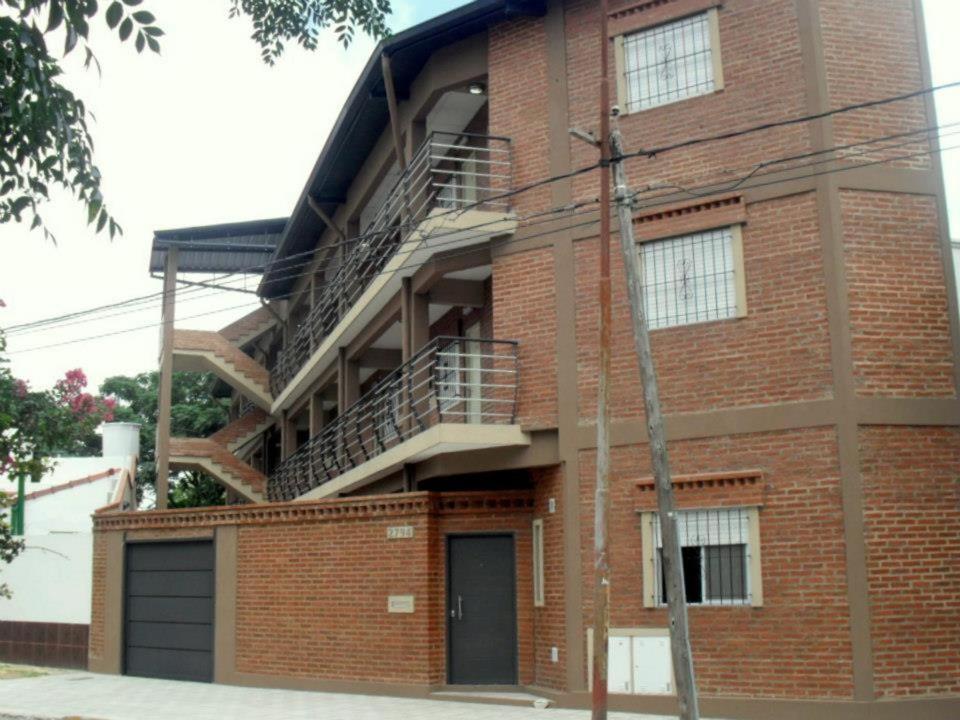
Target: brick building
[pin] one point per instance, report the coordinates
(412, 462)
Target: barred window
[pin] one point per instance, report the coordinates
(669, 62)
(715, 552)
(691, 279)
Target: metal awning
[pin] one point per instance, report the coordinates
(229, 247)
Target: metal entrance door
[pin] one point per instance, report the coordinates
(169, 614)
(481, 610)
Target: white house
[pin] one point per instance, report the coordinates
(46, 620)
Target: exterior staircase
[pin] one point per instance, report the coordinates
(206, 351)
(242, 430)
(213, 458)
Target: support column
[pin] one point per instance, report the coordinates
(316, 413)
(165, 388)
(288, 436)
(348, 381)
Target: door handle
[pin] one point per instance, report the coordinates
(459, 607)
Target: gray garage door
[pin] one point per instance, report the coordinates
(169, 610)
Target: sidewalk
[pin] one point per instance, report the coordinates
(113, 697)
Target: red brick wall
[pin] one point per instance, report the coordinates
(798, 644)
(550, 619)
(899, 319)
(525, 309)
(517, 83)
(779, 352)
(911, 481)
(764, 82)
(312, 600)
(871, 52)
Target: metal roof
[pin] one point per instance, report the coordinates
(365, 115)
(228, 247)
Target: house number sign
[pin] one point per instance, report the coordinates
(398, 532)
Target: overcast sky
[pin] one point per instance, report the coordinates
(206, 133)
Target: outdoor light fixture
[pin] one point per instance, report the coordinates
(477, 88)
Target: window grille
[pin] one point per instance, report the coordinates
(715, 553)
(689, 279)
(668, 63)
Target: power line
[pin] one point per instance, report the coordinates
(190, 317)
(213, 290)
(791, 121)
(198, 292)
(551, 230)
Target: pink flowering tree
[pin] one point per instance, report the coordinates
(36, 425)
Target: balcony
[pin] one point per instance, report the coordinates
(455, 394)
(448, 197)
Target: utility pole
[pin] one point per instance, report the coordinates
(672, 564)
(601, 562)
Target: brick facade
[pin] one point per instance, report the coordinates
(830, 405)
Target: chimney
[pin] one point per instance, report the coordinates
(121, 439)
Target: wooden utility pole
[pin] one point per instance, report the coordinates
(672, 563)
(601, 562)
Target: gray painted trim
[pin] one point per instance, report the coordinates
(225, 604)
(567, 413)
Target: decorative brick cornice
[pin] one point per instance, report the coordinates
(636, 8)
(691, 216)
(742, 488)
(640, 14)
(454, 503)
(339, 509)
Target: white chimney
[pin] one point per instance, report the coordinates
(121, 439)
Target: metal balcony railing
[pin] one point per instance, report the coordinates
(449, 171)
(451, 380)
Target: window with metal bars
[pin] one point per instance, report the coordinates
(669, 62)
(690, 279)
(715, 553)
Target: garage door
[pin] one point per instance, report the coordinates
(169, 610)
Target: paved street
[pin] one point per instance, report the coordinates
(111, 697)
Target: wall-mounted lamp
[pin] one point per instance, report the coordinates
(477, 88)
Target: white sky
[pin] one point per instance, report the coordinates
(206, 133)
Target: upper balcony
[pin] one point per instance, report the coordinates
(455, 394)
(449, 196)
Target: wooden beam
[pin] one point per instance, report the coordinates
(392, 107)
(463, 293)
(315, 206)
(165, 399)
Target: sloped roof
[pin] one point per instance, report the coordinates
(364, 117)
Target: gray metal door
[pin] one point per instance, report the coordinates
(169, 610)
(481, 610)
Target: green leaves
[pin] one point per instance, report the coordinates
(277, 22)
(114, 14)
(43, 124)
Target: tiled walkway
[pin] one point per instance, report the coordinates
(111, 697)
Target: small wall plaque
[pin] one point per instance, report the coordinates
(400, 604)
(397, 532)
